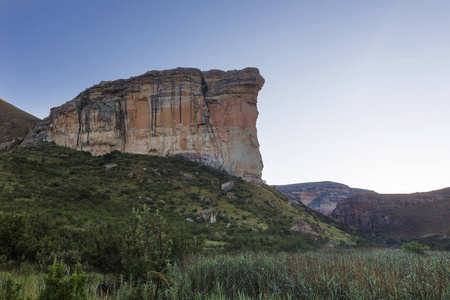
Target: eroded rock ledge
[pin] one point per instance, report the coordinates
(205, 116)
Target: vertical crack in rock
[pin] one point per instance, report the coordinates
(87, 114)
(206, 113)
(179, 103)
(121, 116)
(194, 110)
(82, 103)
(80, 122)
(154, 114)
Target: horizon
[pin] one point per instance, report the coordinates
(355, 93)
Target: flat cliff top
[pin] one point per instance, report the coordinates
(242, 77)
(316, 186)
(400, 199)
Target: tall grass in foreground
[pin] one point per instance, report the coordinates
(99, 286)
(326, 274)
(348, 274)
(29, 284)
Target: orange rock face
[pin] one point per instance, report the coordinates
(206, 116)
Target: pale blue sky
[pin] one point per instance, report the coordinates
(356, 92)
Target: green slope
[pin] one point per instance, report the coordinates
(73, 190)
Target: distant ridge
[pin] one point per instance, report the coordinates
(14, 122)
(417, 215)
(321, 196)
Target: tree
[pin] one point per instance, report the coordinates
(415, 247)
(147, 248)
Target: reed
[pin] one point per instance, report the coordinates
(337, 274)
(324, 274)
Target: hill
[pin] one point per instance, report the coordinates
(400, 216)
(14, 123)
(68, 200)
(321, 196)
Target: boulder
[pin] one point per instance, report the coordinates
(232, 196)
(110, 167)
(204, 199)
(187, 176)
(227, 186)
(208, 215)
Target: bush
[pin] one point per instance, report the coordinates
(60, 285)
(415, 247)
(184, 243)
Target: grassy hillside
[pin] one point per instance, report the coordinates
(67, 202)
(14, 123)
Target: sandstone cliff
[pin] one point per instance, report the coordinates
(206, 116)
(321, 196)
(418, 215)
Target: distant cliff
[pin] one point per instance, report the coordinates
(321, 196)
(206, 116)
(418, 215)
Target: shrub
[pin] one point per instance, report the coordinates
(60, 285)
(184, 243)
(415, 247)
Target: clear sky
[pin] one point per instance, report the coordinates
(356, 92)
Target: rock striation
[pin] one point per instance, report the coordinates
(321, 196)
(205, 116)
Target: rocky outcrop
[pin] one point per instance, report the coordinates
(205, 116)
(9, 145)
(303, 227)
(321, 196)
(415, 215)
